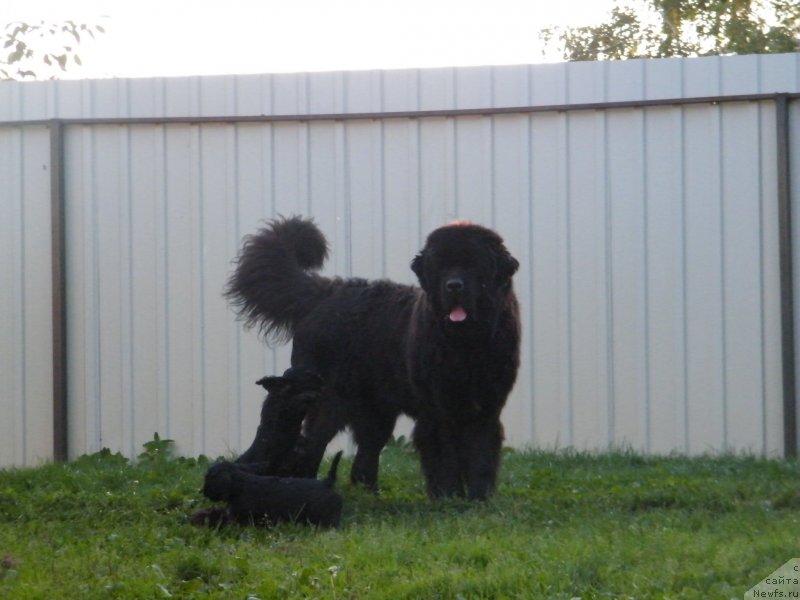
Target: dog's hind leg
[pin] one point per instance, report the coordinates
(371, 435)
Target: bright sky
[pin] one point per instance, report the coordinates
(197, 37)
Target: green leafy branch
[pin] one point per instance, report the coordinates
(54, 45)
(663, 28)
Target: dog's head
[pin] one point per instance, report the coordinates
(466, 270)
(223, 481)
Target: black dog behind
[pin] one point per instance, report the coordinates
(446, 354)
(265, 500)
(289, 399)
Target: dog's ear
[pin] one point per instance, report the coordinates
(418, 266)
(507, 265)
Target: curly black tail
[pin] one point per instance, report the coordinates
(271, 287)
(330, 480)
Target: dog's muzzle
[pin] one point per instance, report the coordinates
(454, 288)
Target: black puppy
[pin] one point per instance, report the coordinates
(265, 500)
(289, 399)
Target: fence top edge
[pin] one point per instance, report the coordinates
(413, 114)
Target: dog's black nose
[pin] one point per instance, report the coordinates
(454, 284)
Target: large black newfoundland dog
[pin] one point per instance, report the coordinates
(445, 354)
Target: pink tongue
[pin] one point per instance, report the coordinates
(458, 314)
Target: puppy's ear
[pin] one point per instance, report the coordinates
(418, 266)
(507, 265)
(274, 384)
(235, 482)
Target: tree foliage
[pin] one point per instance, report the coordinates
(42, 50)
(662, 28)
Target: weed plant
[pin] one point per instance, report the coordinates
(561, 525)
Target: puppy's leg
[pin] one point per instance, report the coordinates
(481, 445)
(371, 435)
(438, 455)
(210, 517)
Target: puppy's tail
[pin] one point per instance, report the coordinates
(271, 287)
(330, 480)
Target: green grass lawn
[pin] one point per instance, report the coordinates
(562, 525)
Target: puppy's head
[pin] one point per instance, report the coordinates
(291, 394)
(223, 481)
(292, 382)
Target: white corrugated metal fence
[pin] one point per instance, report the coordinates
(647, 235)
